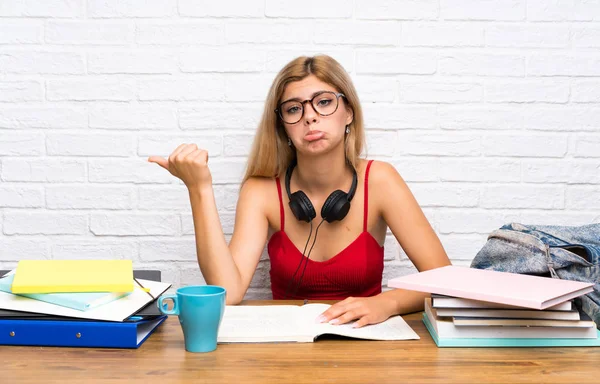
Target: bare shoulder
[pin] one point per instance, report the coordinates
(258, 190)
(259, 196)
(386, 187)
(384, 175)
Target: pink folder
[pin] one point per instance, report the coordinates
(493, 286)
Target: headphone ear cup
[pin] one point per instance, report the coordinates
(301, 207)
(336, 206)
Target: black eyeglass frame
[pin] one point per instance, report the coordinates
(336, 94)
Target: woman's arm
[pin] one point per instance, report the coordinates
(233, 266)
(406, 220)
(403, 215)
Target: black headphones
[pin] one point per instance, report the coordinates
(336, 205)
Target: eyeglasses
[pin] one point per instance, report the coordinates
(325, 103)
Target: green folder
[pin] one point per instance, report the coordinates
(512, 342)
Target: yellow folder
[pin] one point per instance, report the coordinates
(55, 276)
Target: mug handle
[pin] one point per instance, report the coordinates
(163, 309)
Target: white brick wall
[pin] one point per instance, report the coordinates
(490, 109)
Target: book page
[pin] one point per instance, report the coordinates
(265, 323)
(394, 328)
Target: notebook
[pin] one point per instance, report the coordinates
(61, 276)
(498, 287)
(80, 301)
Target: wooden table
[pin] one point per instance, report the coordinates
(163, 359)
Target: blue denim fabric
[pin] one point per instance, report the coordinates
(570, 253)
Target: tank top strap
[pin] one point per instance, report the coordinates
(366, 196)
(281, 212)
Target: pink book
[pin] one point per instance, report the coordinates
(497, 287)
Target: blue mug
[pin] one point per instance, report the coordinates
(200, 309)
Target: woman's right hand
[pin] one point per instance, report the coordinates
(188, 163)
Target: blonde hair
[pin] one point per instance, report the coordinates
(271, 154)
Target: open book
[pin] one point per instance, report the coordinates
(293, 323)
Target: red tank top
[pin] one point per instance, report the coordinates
(355, 271)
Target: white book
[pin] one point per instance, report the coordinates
(508, 313)
(445, 328)
(484, 322)
(293, 323)
(442, 301)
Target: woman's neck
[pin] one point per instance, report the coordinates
(322, 174)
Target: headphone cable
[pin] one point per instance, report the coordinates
(285, 296)
(308, 257)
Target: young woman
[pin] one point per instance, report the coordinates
(305, 167)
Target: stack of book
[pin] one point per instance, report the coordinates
(481, 308)
(458, 322)
(84, 303)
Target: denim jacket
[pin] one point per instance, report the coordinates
(570, 253)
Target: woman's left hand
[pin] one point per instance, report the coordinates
(365, 310)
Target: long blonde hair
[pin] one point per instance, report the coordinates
(271, 154)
